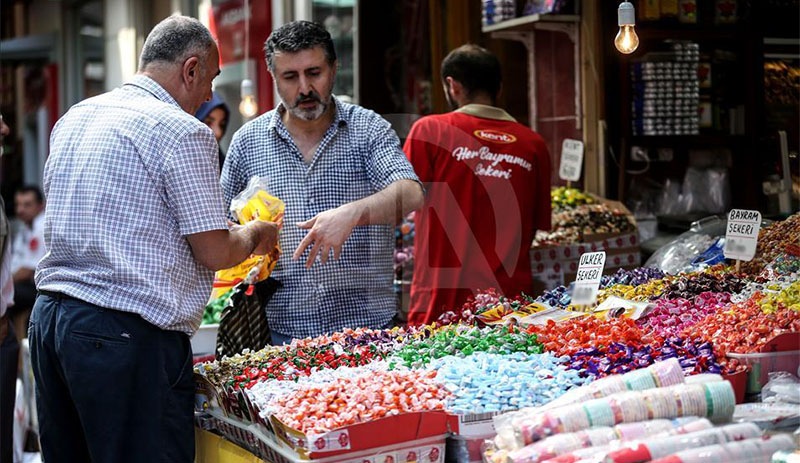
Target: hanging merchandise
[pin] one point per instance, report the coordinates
(687, 13)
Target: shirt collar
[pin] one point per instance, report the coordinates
(486, 112)
(151, 86)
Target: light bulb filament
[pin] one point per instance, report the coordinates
(626, 40)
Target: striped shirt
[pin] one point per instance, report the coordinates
(129, 175)
(359, 155)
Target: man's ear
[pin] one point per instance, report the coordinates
(455, 86)
(191, 69)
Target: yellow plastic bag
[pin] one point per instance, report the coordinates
(254, 203)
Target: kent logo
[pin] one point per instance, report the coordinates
(495, 136)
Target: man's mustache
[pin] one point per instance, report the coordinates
(308, 98)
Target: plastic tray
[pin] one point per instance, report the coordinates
(761, 364)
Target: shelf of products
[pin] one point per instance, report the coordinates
(686, 108)
(523, 29)
(526, 23)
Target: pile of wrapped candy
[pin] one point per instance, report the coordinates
(578, 371)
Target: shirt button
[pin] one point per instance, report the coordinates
(310, 200)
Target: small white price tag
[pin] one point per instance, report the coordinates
(741, 235)
(587, 281)
(571, 160)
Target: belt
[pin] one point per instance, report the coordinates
(56, 295)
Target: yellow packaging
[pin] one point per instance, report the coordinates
(254, 203)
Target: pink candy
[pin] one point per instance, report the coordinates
(671, 316)
(321, 408)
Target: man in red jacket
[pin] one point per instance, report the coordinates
(488, 190)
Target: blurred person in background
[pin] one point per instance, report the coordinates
(27, 249)
(9, 344)
(216, 115)
(487, 181)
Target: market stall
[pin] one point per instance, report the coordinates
(658, 366)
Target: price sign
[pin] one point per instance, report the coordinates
(741, 235)
(587, 281)
(571, 160)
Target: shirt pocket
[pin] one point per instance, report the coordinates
(352, 178)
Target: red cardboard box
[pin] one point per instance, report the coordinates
(387, 431)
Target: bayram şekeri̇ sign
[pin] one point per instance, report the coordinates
(741, 234)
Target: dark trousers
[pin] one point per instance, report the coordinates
(9, 359)
(110, 387)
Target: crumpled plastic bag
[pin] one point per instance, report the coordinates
(781, 387)
(253, 203)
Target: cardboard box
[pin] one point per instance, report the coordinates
(387, 431)
(556, 265)
(269, 448)
(553, 265)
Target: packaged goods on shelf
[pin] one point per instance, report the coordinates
(594, 437)
(651, 449)
(685, 425)
(757, 449)
(715, 401)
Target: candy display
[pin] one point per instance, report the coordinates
(485, 382)
(772, 242)
(557, 384)
(702, 282)
(367, 396)
(571, 225)
(465, 340)
(564, 198)
(670, 316)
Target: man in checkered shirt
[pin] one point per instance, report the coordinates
(345, 181)
(135, 227)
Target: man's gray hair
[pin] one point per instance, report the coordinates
(174, 40)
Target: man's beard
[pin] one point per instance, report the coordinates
(310, 114)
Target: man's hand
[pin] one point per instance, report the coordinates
(327, 231)
(267, 236)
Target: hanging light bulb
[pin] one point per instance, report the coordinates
(249, 106)
(626, 40)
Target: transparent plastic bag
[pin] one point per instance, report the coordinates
(706, 190)
(781, 387)
(253, 203)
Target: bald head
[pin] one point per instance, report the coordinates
(174, 40)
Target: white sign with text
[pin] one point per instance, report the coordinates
(741, 234)
(571, 160)
(587, 280)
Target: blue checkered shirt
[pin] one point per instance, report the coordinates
(359, 155)
(129, 175)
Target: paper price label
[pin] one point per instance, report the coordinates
(741, 235)
(571, 160)
(587, 280)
